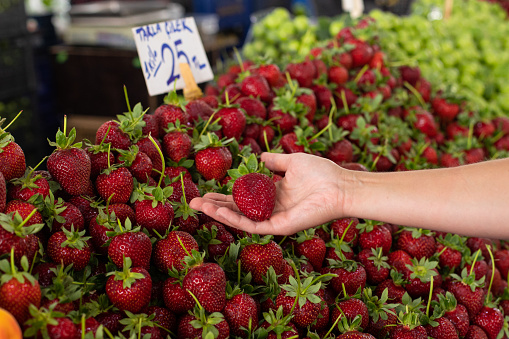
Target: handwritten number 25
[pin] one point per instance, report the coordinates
(173, 77)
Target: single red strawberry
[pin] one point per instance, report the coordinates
(24, 209)
(468, 292)
(491, 320)
(256, 86)
(304, 72)
(18, 290)
(122, 212)
(163, 317)
(71, 215)
(69, 165)
(418, 243)
(146, 146)
(152, 208)
(346, 229)
(272, 73)
(361, 54)
(323, 96)
(212, 158)
(419, 276)
(253, 107)
(198, 324)
(375, 264)
(110, 132)
(308, 99)
(450, 250)
(233, 92)
(373, 235)
(70, 247)
(26, 186)
(410, 74)
(445, 110)
(232, 120)
(394, 286)
(255, 195)
(475, 332)
(200, 109)
(138, 163)
(115, 184)
(12, 157)
(337, 75)
(258, 255)
(444, 330)
(206, 281)
(177, 143)
(169, 114)
(241, 313)
(99, 228)
(311, 246)
(350, 276)
(176, 298)
(351, 308)
(170, 251)
(52, 323)
(128, 242)
(100, 158)
(456, 313)
(213, 237)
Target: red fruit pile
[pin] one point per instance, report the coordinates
(106, 240)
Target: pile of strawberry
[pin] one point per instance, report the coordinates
(104, 244)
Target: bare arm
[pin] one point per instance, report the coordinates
(469, 200)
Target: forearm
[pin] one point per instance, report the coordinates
(469, 200)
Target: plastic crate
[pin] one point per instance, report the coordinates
(12, 18)
(16, 67)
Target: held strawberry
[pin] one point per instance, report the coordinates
(69, 165)
(255, 195)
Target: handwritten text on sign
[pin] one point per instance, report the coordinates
(162, 46)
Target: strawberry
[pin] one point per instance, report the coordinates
(307, 98)
(304, 72)
(115, 184)
(169, 114)
(323, 97)
(355, 335)
(456, 313)
(199, 109)
(71, 215)
(240, 312)
(475, 332)
(350, 276)
(381, 316)
(70, 247)
(233, 92)
(207, 282)
(24, 209)
(417, 243)
(177, 143)
(272, 73)
(337, 75)
(253, 107)
(169, 252)
(138, 163)
(176, 298)
(502, 261)
(152, 208)
(444, 330)
(100, 158)
(445, 110)
(361, 54)
(226, 79)
(151, 126)
(50, 323)
(467, 291)
(214, 239)
(146, 146)
(255, 195)
(303, 296)
(128, 242)
(258, 255)
(129, 290)
(98, 229)
(12, 158)
(374, 235)
(394, 286)
(256, 86)
(69, 165)
(375, 264)
(122, 212)
(198, 324)
(410, 74)
(110, 132)
(351, 308)
(163, 317)
(346, 228)
(312, 247)
(28, 185)
(491, 320)
(419, 276)
(212, 158)
(449, 249)
(232, 121)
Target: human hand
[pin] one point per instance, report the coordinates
(310, 194)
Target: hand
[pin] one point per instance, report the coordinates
(310, 194)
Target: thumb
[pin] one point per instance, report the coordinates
(275, 161)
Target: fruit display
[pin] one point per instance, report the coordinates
(104, 244)
(464, 53)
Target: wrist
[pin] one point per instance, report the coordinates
(351, 184)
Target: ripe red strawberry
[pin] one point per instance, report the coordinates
(12, 157)
(198, 324)
(447, 111)
(177, 144)
(272, 73)
(18, 290)
(129, 243)
(200, 109)
(304, 72)
(138, 163)
(361, 54)
(256, 86)
(355, 335)
(260, 254)
(375, 264)
(153, 209)
(240, 312)
(110, 132)
(122, 212)
(456, 313)
(468, 292)
(146, 146)
(99, 156)
(163, 317)
(253, 107)
(232, 92)
(308, 99)
(24, 209)
(349, 275)
(409, 332)
(394, 285)
(290, 143)
(444, 330)
(115, 185)
(484, 129)
(419, 277)
(311, 246)
(491, 320)
(214, 239)
(475, 332)
(98, 228)
(169, 253)
(410, 74)
(232, 121)
(72, 217)
(27, 186)
(70, 247)
(169, 114)
(69, 165)
(425, 123)
(337, 75)
(207, 282)
(323, 96)
(374, 235)
(417, 243)
(212, 158)
(304, 314)
(350, 309)
(348, 225)
(130, 289)
(255, 195)
(176, 298)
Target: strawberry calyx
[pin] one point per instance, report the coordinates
(210, 140)
(63, 142)
(468, 278)
(10, 271)
(132, 121)
(127, 157)
(134, 323)
(52, 210)
(378, 259)
(447, 302)
(367, 226)
(14, 223)
(64, 289)
(75, 238)
(155, 194)
(40, 319)
(248, 165)
(378, 307)
(126, 275)
(278, 323)
(28, 180)
(118, 229)
(345, 325)
(204, 320)
(423, 269)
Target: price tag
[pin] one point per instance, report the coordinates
(163, 46)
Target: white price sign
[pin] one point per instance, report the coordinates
(163, 46)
